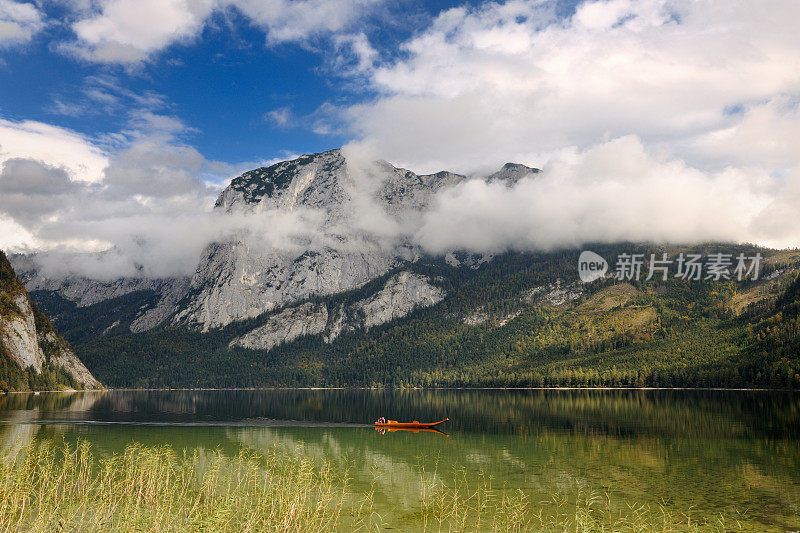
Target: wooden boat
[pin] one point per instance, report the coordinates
(394, 424)
(411, 430)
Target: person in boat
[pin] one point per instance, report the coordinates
(381, 420)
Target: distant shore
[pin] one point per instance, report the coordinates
(178, 389)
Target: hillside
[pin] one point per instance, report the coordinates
(335, 203)
(32, 354)
(315, 289)
(518, 320)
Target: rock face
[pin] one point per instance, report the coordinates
(27, 337)
(85, 292)
(18, 333)
(399, 296)
(236, 280)
(305, 319)
(351, 202)
(554, 294)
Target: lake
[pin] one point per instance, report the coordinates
(727, 459)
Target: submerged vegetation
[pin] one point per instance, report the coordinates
(47, 487)
(461, 507)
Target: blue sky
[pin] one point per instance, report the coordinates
(121, 114)
(219, 83)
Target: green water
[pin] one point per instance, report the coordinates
(706, 453)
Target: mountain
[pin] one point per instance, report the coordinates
(775, 347)
(83, 307)
(236, 280)
(241, 278)
(516, 320)
(32, 354)
(337, 302)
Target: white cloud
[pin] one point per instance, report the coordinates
(767, 134)
(60, 147)
(63, 191)
(127, 31)
(130, 31)
(14, 236)
(281, 116)
(483, 85)
(104, 94)
(613, 192)
(151, 208)
(19, 22)
(355, 56)
(298, 20)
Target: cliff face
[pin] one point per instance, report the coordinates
(235, 280)
(401, 294)
(84, 292)
(355, 207)
(26, 336)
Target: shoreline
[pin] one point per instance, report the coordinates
(200, 389)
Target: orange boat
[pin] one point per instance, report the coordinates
(394, 424)
(383, 430)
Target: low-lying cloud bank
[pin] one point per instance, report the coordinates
(612, 192)
(656, 120)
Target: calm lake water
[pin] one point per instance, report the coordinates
(706, 453)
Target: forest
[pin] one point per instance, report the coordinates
(673, 333)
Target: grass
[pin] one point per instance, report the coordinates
(48, 487)
(464, 506)
(63, 488)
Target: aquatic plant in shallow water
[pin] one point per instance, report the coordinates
(63, 487)
(49, 488)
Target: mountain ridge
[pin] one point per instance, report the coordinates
(351, 306)
(518, 320)
(236, 280)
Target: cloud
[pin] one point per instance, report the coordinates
(505, 81)
(144, 196)
(131, 31)
(26, 176)
(657, 120)
(150, 208)
(60, 147)
(281, 116)
(19, 22)
(355, 54)
(13, 236)
(104, 94)
(149, 213)
(128, 31)
(31, 191)
(299, 20)
(615, 191)
(767, 134)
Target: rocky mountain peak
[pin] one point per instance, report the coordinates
(235, 280)
(511, 173)
(239, 278)
(285, 184)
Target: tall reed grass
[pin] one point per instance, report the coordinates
(462, 505)
(48, 487)
(68, 488)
